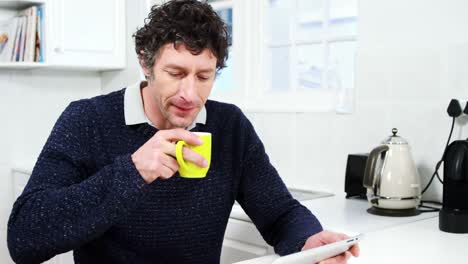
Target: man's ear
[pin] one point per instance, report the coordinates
(145, 69)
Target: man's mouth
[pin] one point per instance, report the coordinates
(183, 110)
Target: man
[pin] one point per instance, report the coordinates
(106, 183)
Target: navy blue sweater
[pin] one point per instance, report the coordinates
(86, 195)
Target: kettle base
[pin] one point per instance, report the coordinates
(393, 212)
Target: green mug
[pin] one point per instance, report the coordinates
(188, 169)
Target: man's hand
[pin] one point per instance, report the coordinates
(327, 237)
(156, 157)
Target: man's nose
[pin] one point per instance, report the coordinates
(188, 88)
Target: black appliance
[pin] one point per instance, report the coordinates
(354, 176)
(453, 216)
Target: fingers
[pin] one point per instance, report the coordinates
(329, 237)
(166, 172)
(170, 163)
(355, 250)
(166, 166)
(181, 134)
(323, 238)
(155, 158)
(188, 154)
(192, 156)
(168, 148)
(347, 255)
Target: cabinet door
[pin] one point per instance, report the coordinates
(86, 34)
(20, 179)
(242, 241)
(235, 251)
(65, 258)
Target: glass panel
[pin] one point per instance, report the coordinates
(224, 81)
(226, 16)
(343, 8)
(280, 69)
(279, 13)
(343, 17)
(310, 66)
(343, 27)
(310, 19)
(341, 63)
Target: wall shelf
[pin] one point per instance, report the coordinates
(21, 65)
(70, 40)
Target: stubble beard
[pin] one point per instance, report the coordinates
(175, 121)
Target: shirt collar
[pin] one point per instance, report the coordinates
(135, 113)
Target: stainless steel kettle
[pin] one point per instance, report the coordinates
(391, 177)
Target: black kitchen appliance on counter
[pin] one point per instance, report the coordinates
(354, 176)
(453, 216)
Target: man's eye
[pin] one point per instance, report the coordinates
(203, 78)
(174, 74)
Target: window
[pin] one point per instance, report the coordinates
(289, 55)
(224, 81)
(309, 54)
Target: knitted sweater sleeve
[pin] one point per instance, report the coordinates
(63, 206)
(283, 222)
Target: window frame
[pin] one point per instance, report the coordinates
(324, 99)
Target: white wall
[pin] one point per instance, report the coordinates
(30, 103)
(412, 59)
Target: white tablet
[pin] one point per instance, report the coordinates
(318, 254)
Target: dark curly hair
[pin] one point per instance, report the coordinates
(190, 22)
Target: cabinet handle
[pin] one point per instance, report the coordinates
(59, 49)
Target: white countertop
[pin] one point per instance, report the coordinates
(416, 242)
(415, 239)
(345, 215)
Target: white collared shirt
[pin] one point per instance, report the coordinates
(135, 112)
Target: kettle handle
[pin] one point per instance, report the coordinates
(369, 172)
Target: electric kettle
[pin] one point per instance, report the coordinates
(391, 177)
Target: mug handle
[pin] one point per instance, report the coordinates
(179, 156)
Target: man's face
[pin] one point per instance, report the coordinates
(180, 85)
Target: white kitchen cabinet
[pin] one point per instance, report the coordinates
(77, 34)
(242, 241)
(87, 34)
(65, 258)
(20, 179)
(235, 251)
